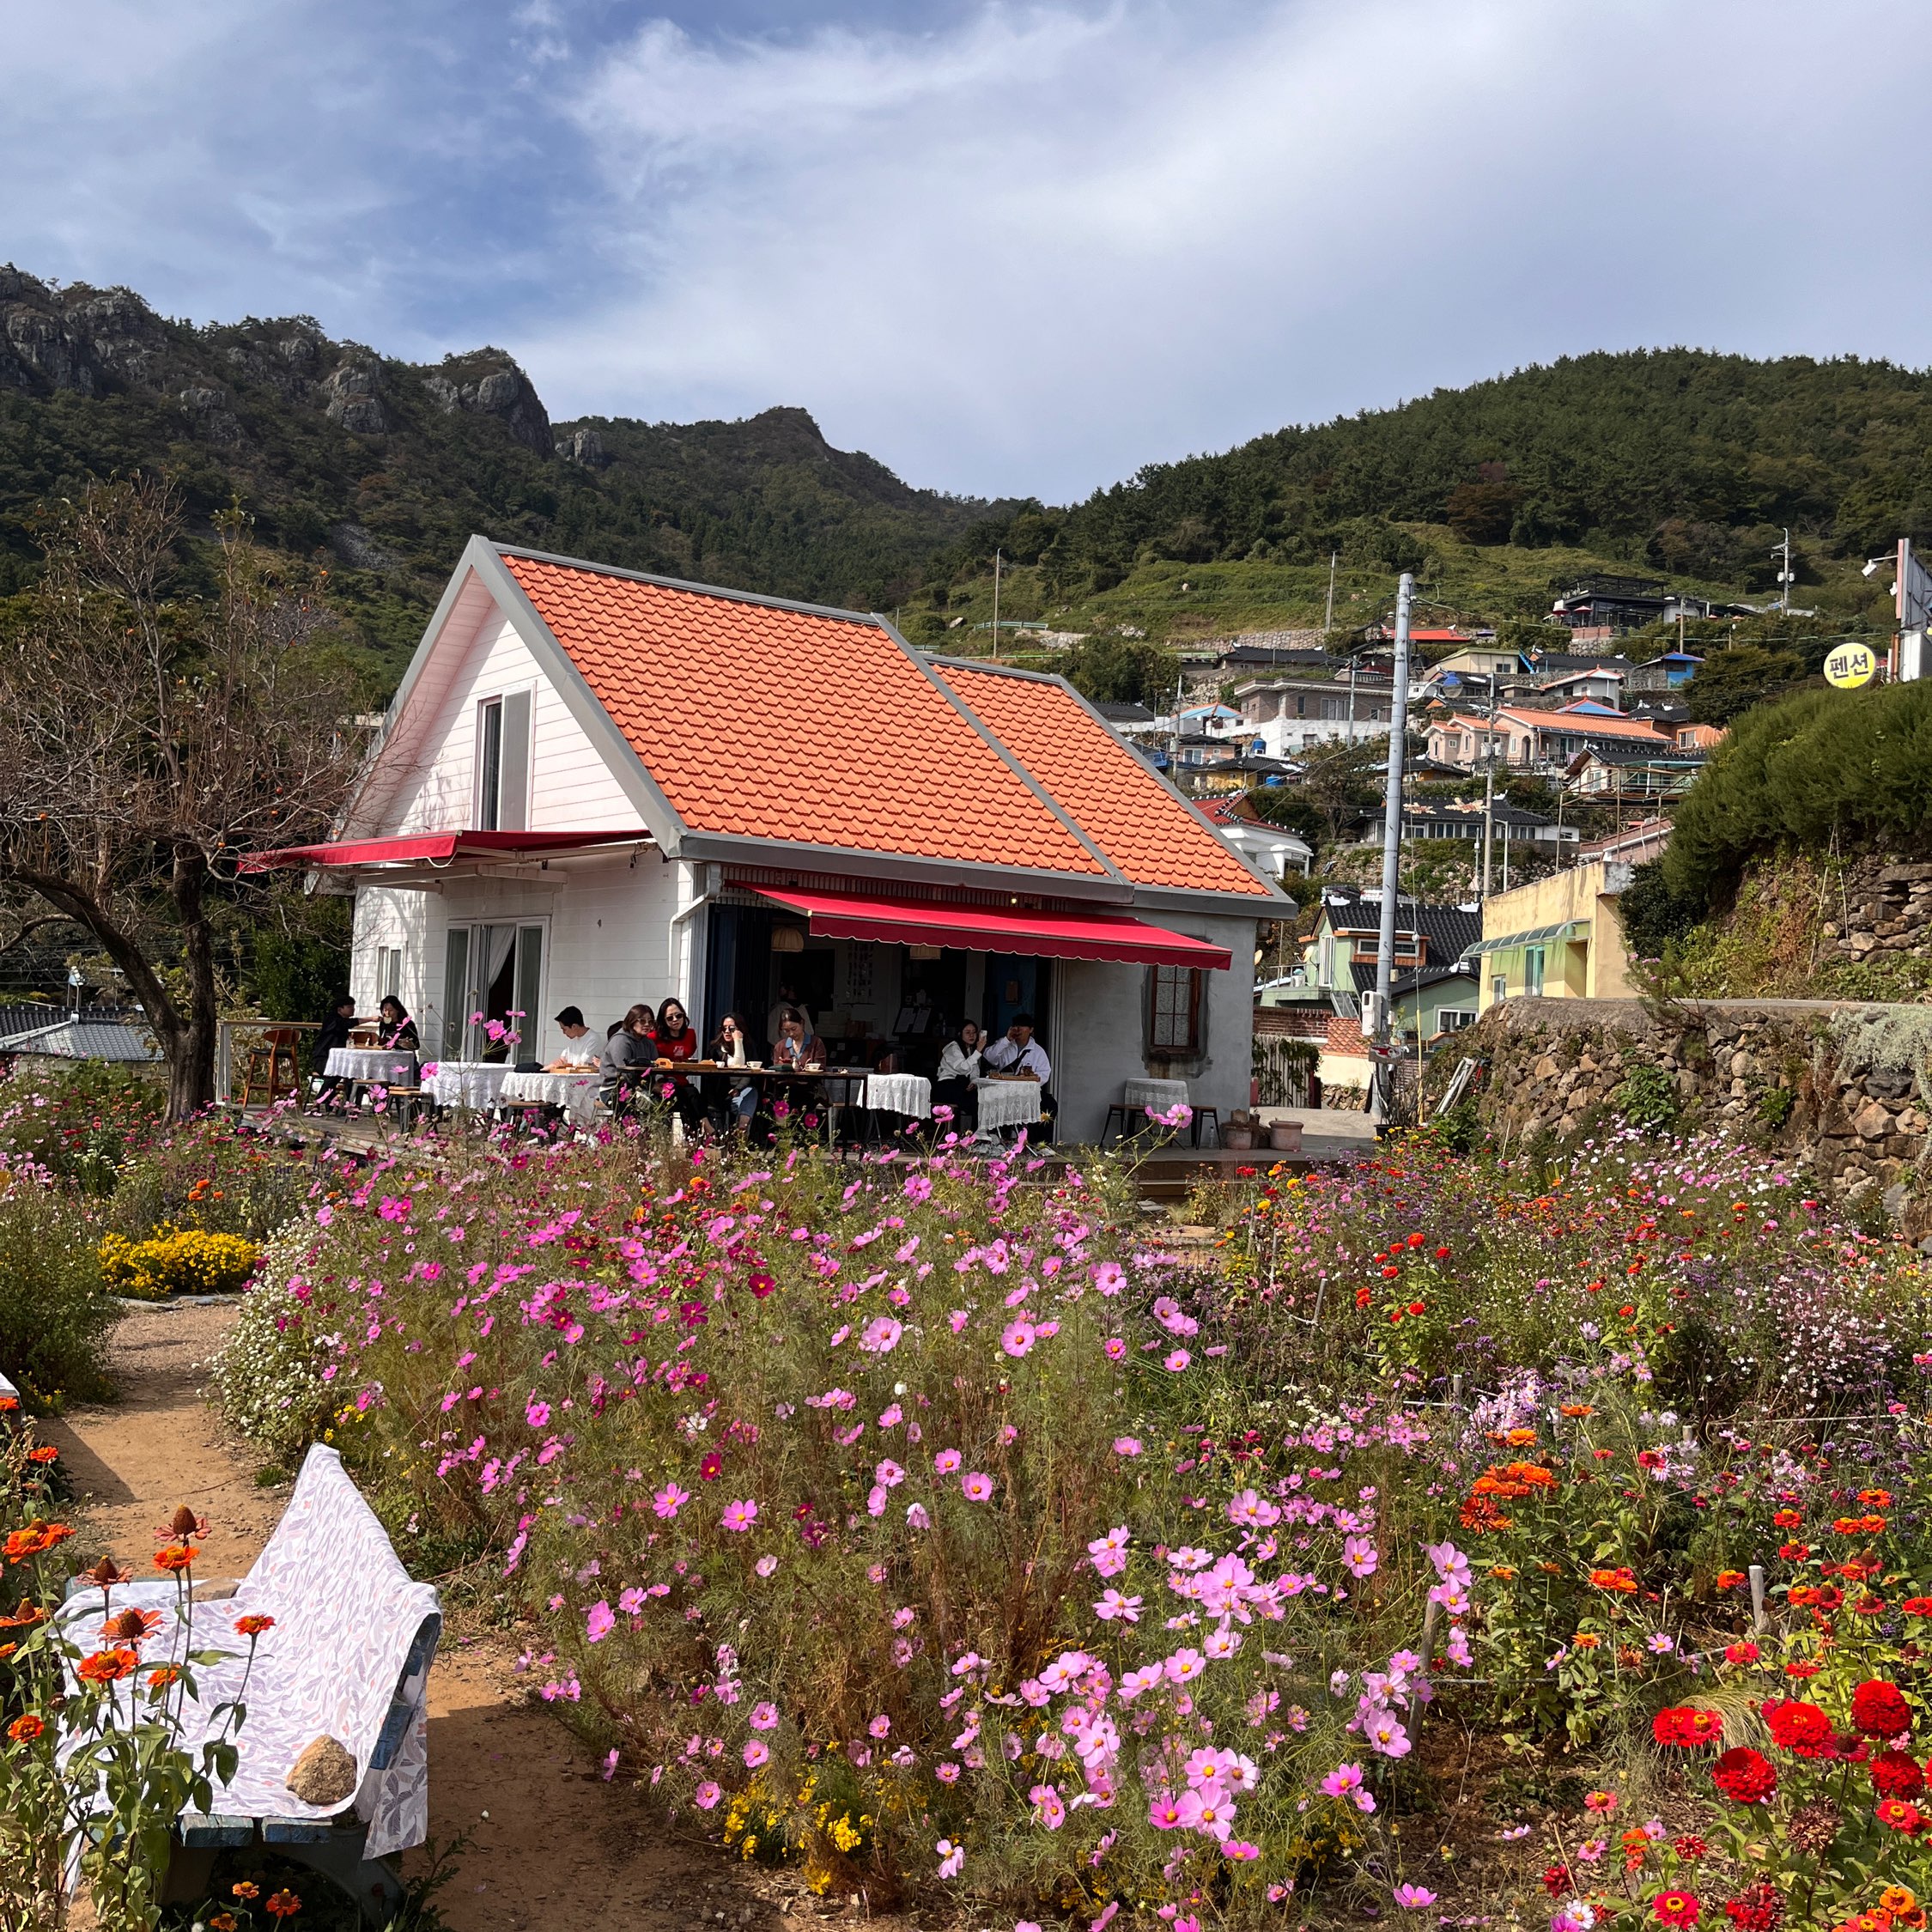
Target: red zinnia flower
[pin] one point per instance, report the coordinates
(1879, 1711)
(1757, 1908)
(1746, 1777)
(1895, 1774)
(1899, 1815)
(1690, 1846)
(1684, 1724)
(253, 1626)
(109, 1667)
(1556, 1880)
(1676, 1907)
(1801, 1727)
(24, 1730)
(282, 1904)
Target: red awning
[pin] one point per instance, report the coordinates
(1051, 935)
(434, 847)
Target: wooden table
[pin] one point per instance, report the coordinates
(765, 1077)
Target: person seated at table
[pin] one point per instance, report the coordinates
(794, 1044)
(677, 1040)
(579, 1053)
(733, 1102)
(1019, 1056)
(395, 1031)
(333, 1033)
(628, 1053)
(959, 1066)
(786, 998)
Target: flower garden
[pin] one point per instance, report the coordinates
(1436, 1538)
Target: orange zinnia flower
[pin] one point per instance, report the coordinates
(253, 1626)
(130, 1627)
(1619, 1581)
(282, 1904)
(109, 1667)
(24, 1730)
(160, 1680)
(173, 1557)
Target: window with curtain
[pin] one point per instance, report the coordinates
(1176, 1016)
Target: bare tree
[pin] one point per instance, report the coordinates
(150, 735)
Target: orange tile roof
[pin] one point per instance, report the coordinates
(796, 726)
(1101, 784)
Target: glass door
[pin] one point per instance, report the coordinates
(493, 973)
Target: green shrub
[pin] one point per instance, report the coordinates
(1646, 1097)
(1852, 766)
(55, 1314)
(208, 1175)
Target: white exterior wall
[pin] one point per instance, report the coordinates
(1100, 1029)
(571, 787)
(610, 941)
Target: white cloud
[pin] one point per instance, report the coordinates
(1005, 247)
(1035, 249)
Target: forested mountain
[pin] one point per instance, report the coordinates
(386, 467)
(1677, 462)
(1676, 457)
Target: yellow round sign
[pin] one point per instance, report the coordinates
(1850, 666)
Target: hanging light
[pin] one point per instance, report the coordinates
(787, 939)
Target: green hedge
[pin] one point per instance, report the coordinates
(1854, 763)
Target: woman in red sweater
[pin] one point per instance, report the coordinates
(677, 1040)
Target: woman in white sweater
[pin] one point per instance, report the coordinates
(959, 1066)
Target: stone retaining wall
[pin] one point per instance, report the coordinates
(1841, 1087)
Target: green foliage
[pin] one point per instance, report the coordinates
(1819, 768)
(1123, 671)
(1289, 807)
(1730, 683)
(1654, 914)
(55, 1314)
(299, 966)
(1775, 1106)
(1646, 1097)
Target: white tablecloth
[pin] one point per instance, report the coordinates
(575, 1093)
(1008, 1103)
(466, 1083)
(1162, 1096)
(899, 1093)
(366, 1063)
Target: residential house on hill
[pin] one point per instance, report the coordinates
(1272, 850)
(918, 842)
(1534, 740)
(1286, 716)
(1559, 937)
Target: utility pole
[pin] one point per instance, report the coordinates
(1785, 579)
(1351, 664)
(996, 606)
(1173, 736)
(1392, 815)
(1328, 622)
(1489, 785)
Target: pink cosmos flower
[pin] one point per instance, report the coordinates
(946, 1461)
(1413, 1898)
(765, 1566)
(1018, 1337)
(756, 1754)
(1113, 1605)
(958, 1319)
(670, 1500)
(1116, 1349)
(1164, 1813)
(978, 1487)
(1342, 1780)
(1109, 1278)
(952, 1858)
(599, 1622)
(764, 1717)
(1358, 1556)
(1046, 1801)
(738, 1516)
(889, 1474)
(1209, 1811)
(1240, 1849)
(707, 1795)
(881, 1726)
(538, 1415)
(946, 1774)
(1184, 1666)
(1177, 1361)
(1126, 1445)
(881, 1336)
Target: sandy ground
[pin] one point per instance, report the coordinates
(555, 1846)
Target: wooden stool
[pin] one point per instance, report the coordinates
(1121, 1109)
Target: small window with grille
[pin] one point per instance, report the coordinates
(1175, 1018)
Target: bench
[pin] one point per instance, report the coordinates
(348, 1659)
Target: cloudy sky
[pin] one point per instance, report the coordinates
(1006, 248)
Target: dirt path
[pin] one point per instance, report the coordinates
(556, 1847)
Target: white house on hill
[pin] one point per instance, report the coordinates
(595, 787)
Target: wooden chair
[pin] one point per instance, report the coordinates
(271, 1070)
(1208, 1114)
